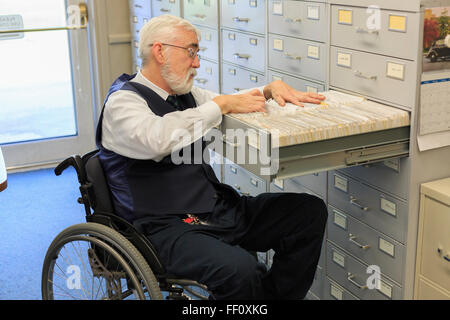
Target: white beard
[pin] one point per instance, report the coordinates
(178, 84)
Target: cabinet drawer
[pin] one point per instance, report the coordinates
(365, 243)
(160, 7)
(235, 79)
(380, 211)
(139, 7)
(306, 20)
(300, 57)
(395, 36)
(385, 78)
(435, 246)
(296, 83)
(208, 76)
(209, 43)
(357, 278)
(202, 12)
(390, 175)
(333, 291)
(243, 49)
(243, 181)
(244, 15)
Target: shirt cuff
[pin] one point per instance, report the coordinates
(212, 112)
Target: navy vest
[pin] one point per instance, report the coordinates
(145, 188)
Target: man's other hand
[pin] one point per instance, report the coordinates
(282, 93)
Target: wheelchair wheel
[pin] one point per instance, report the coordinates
(90, 261)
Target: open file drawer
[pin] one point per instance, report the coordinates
(255, 149)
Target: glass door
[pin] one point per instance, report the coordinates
(46, 110)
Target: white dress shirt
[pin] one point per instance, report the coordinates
(131, 129)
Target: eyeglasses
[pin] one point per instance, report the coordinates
(192, 53)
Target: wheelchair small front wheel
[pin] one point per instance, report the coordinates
(90, 261)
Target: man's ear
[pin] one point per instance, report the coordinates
(158, 52)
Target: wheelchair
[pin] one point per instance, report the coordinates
(106, 258)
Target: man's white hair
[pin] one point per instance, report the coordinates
(161, 29)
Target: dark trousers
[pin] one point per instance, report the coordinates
(218, 255)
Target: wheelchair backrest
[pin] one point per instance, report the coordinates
(96, 176)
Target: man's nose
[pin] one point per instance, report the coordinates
(196, 62)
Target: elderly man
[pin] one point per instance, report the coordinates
(3, 182)
(202, 229)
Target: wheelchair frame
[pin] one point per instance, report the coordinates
(167, 283)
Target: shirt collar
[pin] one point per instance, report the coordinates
(140, 78)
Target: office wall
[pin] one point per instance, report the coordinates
(110, 44)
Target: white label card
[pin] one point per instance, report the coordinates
(339, 259)
(275, 78)
(279, 183)
(388, 206)
(385, 289)
(344, 59)
(278, 44)
(340, 219)
(313, 12)
(208, 70)
(395, 70)
(336, 292)
(340, 183)
(277, 8)
(394, 164)
(313, 52)
(311, 89)
(386, 247)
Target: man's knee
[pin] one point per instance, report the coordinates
(241, 278)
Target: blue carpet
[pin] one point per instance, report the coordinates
(35, 207)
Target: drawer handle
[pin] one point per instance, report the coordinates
(362, 30)
(350, 278)
(201, 80)
(164, 10)
(199, 16)
(352, 238)
(292, 20)
(292, 56)
(354, 202)
(239, 190)
(237, 19)
(241, 56)
(359, 74)
(203, 48)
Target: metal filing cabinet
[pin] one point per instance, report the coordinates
(433, 250)
(372, 207)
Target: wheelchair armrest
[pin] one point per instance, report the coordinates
(75, 162)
